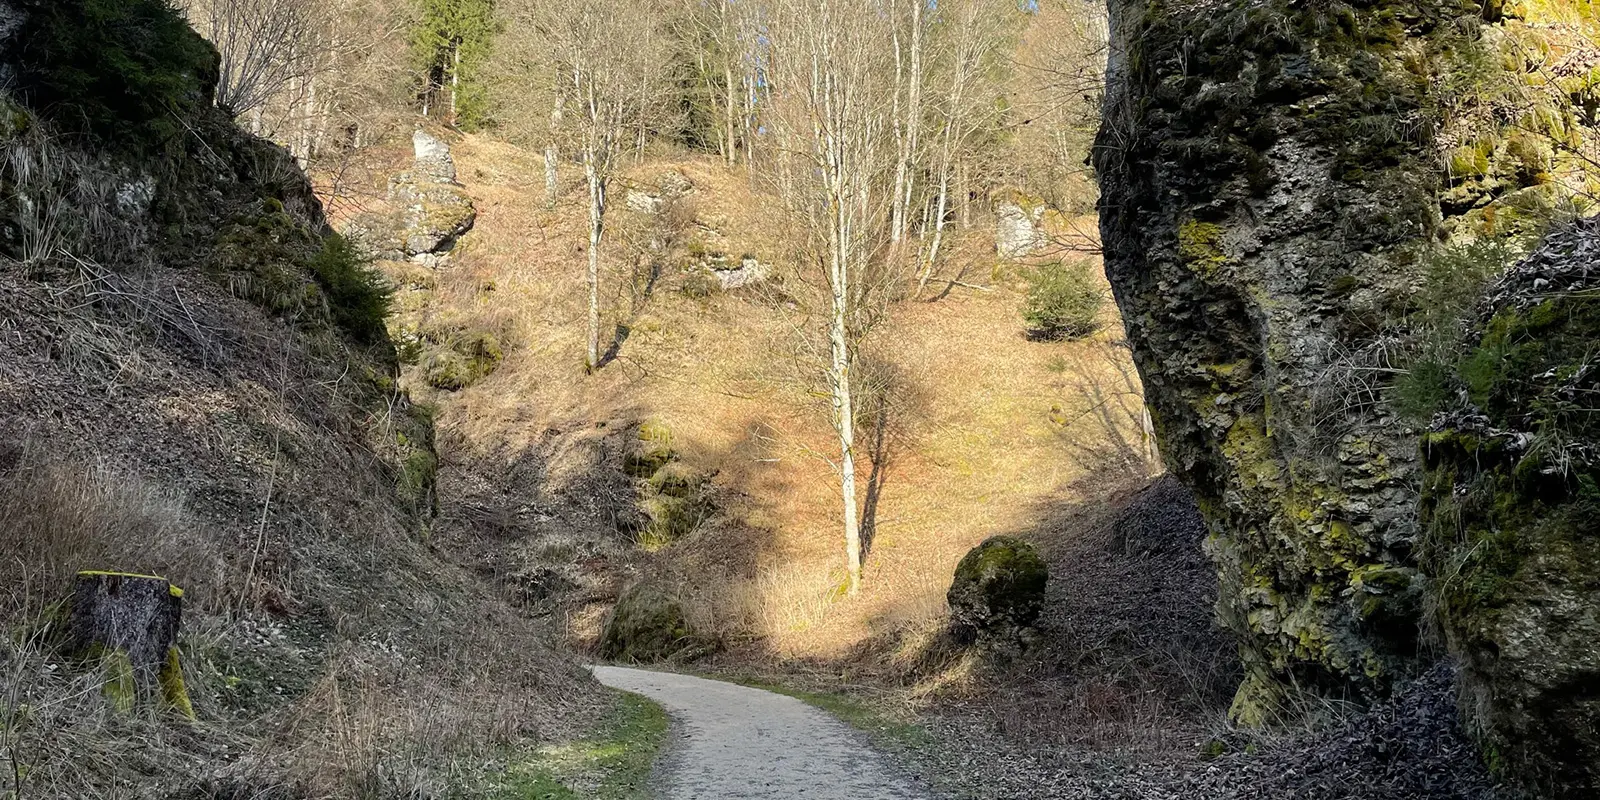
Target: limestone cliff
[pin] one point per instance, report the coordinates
(1277, 180)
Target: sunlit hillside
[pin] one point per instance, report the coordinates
(982, 429)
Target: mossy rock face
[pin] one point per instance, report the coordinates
(998, 588)
(1511, 499)
(464, 360)
(127, 72)
(651, 450)
(1266, 216)
(647, 624)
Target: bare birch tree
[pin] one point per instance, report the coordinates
(608, 59)
(832, 97)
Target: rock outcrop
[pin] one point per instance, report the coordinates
(432, 209)
(1511, 515)
(1017, 231)
(1276, 177)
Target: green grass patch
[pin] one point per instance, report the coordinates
(613, 763)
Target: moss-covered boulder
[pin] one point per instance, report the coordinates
(647, 624)
(998, 589)
(465, 359)
(1511, 520)
(650, 451)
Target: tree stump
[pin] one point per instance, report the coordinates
(130, 624)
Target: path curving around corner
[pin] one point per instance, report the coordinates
(734, 742)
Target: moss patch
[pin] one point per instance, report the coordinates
(127, 72)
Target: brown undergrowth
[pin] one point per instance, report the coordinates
(328, 649)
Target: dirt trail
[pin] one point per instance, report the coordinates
(733, 741)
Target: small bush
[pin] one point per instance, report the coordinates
(700, 283)
(358, 295)
(1064, 301)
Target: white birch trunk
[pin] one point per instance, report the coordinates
(597, 208)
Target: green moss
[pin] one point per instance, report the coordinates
(120, 688)
(1199, 244)
(128, 72)
(418, 474)
(651, 451)
(998, 587)
(671, 518)
(174, 692)
(647, 624)
(466, 358)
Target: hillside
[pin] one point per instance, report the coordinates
(192, 385)
(984, 431)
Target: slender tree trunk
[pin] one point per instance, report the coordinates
(597, 208)
(844, 417)
(551, 176)
(963, 196)
(938, 228)
(896, 211)
(552, 154)
(730, 153)
(905, 175)
(748, 113)
(455, 82)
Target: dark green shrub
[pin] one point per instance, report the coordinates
(358, 295)
(1064, 301)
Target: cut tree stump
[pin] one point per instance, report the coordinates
(130, 624)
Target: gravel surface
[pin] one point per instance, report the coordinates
(733, 741)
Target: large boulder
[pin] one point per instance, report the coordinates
(432, 210)
(647, 624)
(1511, 519)
(998, 589)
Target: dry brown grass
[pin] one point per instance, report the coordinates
(985, 427)
(58, 517)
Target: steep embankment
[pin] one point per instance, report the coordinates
(195, 381)
(1280, 183)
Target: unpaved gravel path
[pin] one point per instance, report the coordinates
(734, 742)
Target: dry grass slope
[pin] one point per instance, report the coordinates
(981, 430)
